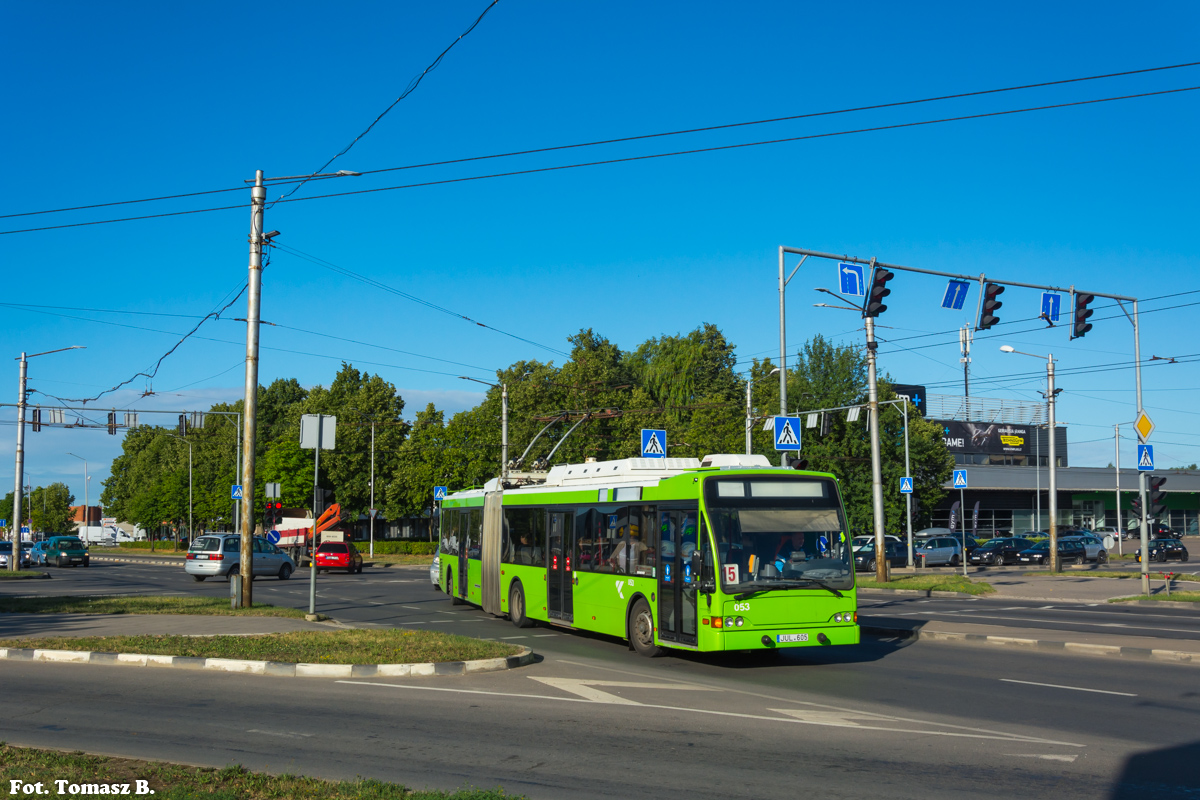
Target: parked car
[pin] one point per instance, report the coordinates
(6, 551)
(897, 555)
(338, 555)
(938, 550)
(1162, 550)
(220, 555)
(1068, 550)
(1093, 548)
(1160, 531)
(859, 541)
(435, 571)
(998, 552)
(1033, 536)
(62, 551)
(928, 533)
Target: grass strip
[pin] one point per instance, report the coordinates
(1182, 597)
(100, 604)
(297, 647)
(1158, 576)
(180, 782)
(935, 583)
(21, 574)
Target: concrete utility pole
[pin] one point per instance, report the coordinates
(13, 564)
(372, 487)
(1055, 565)
(1137, 361)
(881, 562)
(1117, 462)
(783, 282)
(258, 196)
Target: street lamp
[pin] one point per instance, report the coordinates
(86, 502)
(749, 410)
(503, 387)
(1051, 393)
(20, 476)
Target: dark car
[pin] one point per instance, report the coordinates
(1160, 531)
(1072, 551)
(897, 556)
(62, 551)
(1162, 550)
(998, 551)
(338, 555)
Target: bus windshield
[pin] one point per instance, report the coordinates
(779, 533)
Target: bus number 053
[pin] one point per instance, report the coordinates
(741, 606)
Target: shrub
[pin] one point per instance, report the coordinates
(393, 548)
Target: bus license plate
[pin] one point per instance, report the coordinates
(792, 637)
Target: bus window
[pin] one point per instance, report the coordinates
(474, 531)
(527, 529)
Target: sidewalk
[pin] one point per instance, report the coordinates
(15, 626)
(1068, 587)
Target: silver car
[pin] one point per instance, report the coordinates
(219, 555)
(435, 570)
(1092, 546)
(938, 550)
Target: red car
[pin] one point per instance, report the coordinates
(339, 555)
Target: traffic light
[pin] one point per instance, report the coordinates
(1136, 505)
(276, 513)
(879, 290)
(112, 423)
(1082, 312)
(796, 461)
(182, 425)
(1157, 497)
(37, 420)
(826, 424)
(987, 313)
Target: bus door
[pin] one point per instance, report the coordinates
(461, 519)
(678, 532)
(560, 572)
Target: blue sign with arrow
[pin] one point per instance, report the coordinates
(956, 294)
(850, 279)
(1051, 303)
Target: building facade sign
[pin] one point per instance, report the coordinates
(992, 438)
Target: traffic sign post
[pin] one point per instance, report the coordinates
(850, 279)
(960, 479)
(960, 483)
(1145, 458)
(235, 491)
(317, 432)
(956, 294)
(906, 485)
(439, 493)
(654, 443)
(787, 433)
(1051, 304)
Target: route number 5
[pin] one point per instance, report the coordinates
(731, 573)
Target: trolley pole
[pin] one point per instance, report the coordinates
(258, 196)
(1055, 564)
(881, 562)
(749, 412)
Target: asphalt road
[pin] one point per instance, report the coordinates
(593, 719)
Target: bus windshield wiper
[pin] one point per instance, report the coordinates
(822, 584)
(753, 588)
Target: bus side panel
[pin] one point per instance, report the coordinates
(600, 600)
(533, 583)
(474, 581)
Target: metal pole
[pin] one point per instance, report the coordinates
(237, 475)
(191, 532)
(1120, 525)
(907, 497)
(1137, 362)
(87, 502)
(20, 479)
(503, 434)
(258, 196)
(312, 552)
(372, 488)
(1038, 474)
(782, 352)
(962, 504)
(881, 562)
(749, 384)
(1055, 566)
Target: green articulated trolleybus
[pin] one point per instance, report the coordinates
(724, 553)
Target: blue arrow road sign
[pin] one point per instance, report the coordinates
(654, 443)
(439, 493)
(956, 293)
(273, 537)
(906, 485)
(787, 433)
(235, 491)
(850, 279)
(3, 522)
(960, 479)
(1145, 458)
(1051, 303)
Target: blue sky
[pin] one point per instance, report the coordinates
(138, 100)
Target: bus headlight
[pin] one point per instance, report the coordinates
(739, 621)
(729, 622)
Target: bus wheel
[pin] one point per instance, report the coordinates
(641, 629)
(516, 606)
(455, 600)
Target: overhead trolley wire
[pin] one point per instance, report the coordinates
(639, 137)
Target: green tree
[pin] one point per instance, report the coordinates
(52, 508)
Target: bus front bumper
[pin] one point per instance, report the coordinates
(799, 636)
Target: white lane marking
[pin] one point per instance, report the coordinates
(710, 712)
(586, 688)
(543, 635)
(285, 735)
(1044, 756)
(1069, 622)
(507, 638)
(414, 608)
(1073, 688)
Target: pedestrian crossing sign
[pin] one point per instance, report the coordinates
(439, 493)
(1145, 457)
(960, 479)
(906, 485)
(787, 433)
(654, 443)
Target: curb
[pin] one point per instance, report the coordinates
(272, 668)
(1079, 648)
(917, 592)
(29, 577)
(1158, 603)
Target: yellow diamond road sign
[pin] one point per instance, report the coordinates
(1144, 426)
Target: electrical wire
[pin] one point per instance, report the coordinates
(631, 159)
(413, 84)
(705, 129)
